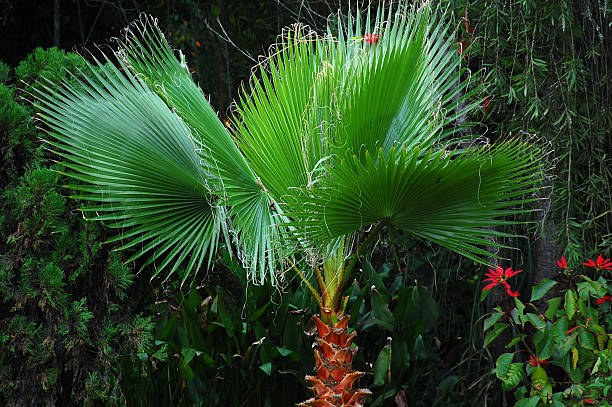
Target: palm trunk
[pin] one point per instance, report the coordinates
(333, 384)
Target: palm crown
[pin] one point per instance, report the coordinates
(336, 132)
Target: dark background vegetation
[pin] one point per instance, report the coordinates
(79, 327)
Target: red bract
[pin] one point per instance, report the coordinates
(461, 46)
(486, 103)
(562, 263)
(573, 329)
(499, 276)
(604, 299)
(589, 401)
(576, 327)
(600, 263)
(534, 361)
(371, 38)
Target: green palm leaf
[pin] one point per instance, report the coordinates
(450, 199)
(152, 152)
(254, 224)
(138, 162)
(317, 100)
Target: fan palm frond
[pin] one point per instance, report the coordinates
(138, 162)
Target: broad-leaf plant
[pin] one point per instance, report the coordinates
(339, 135)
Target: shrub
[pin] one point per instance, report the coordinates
(70, 310)
(562, 357)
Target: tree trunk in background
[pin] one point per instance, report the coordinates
(545, 252)
(56, 23)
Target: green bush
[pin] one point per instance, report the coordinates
(71, 313)
(569, 346)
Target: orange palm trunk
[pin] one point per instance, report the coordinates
(333, 384)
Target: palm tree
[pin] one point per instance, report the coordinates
(337, 133)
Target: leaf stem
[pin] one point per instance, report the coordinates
(349, 268)
(314, 293)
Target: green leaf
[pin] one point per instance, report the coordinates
(228, 174)
(539, 378)
(404, 190)
(519, 305)
(544, 342)
(257, 314)
(137, 161)
(515, 340)
(497, 329)
(541, 289)
(207, 360)
(513, 377)
(488, 323)
(502, 365)
(420, 350)
(553, 305)
(582, 307)
(530, 402)
(382, 366)
(313, 155)
(585, 339)
(570, 304)
(284, 351)
(447, 385)
(380, 310)
(188, 354)
(509, 373)
(415, 306)
(266, 368)
(226, 319)
(186, 371)
(535, 321)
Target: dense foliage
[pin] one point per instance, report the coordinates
(547, 69)
(569, 346)
(78, 327)
(69, 306)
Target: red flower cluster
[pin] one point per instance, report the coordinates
(499, 276)
(604, 299)
(562, 263)
(534, 361)
(371, 38)
(600, 263)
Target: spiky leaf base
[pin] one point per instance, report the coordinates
(333, 384)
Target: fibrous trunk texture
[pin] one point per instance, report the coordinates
(333, 384)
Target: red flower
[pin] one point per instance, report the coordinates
(601, 263)
(486, 103)
(589, 401)
(198, 43)
(461, 46)
(499, 276)
(562, 263)
(534, 361)
(604, 299)
(371, 38)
